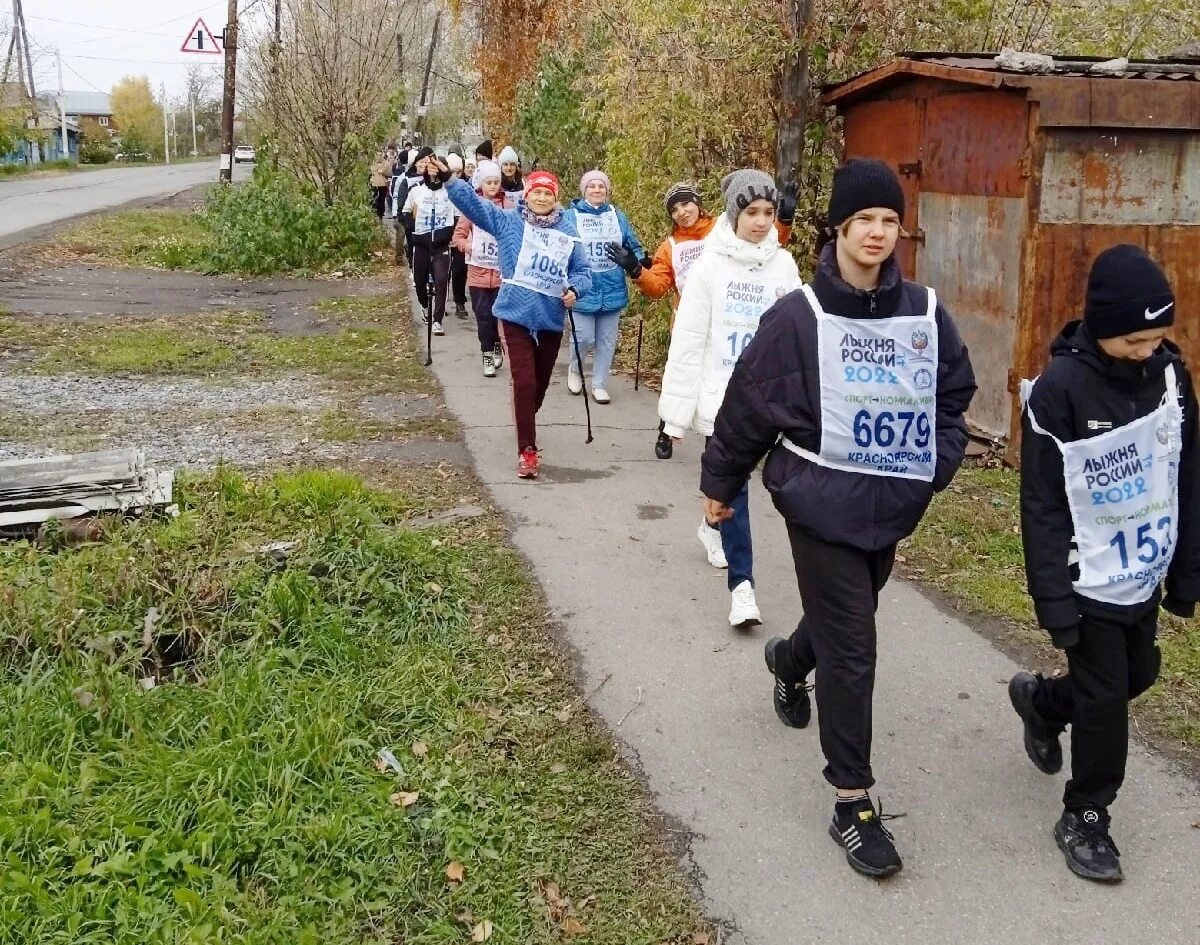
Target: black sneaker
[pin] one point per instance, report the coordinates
(460, 310)
(1041, 744)
(1083, 837)
(869, 846)
(792, 703)
(663, 447)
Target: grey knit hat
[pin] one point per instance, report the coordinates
(742, 188)
(681, 192)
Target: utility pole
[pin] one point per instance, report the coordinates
(793, 92)
(62, 110)
(278, 23)
(421, 109)
(162, 88)
(20, 42)
(192, 102)
(230, 43)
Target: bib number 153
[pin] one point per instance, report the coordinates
(888, 429)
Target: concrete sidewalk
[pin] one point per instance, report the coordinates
(610, 533)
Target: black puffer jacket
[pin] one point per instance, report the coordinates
(776, 389)
(1083, 393)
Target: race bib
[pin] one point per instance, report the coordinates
(738, 306)
(878, 392)
(485, 252)
(543, 260)
(597, 231)
(1123, 492)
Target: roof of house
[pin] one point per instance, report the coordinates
(87, 103)
(1007, 69)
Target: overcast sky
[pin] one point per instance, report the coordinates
(103, 40)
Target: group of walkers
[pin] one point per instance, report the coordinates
(854, 388)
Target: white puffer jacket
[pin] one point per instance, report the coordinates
(728, 289)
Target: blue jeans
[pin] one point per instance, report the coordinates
(597, 332)
(735, 540)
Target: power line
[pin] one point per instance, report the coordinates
(97, 26)
(83, 80)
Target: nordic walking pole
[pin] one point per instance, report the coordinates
(429, 318)
(587, 407)
(637, 371)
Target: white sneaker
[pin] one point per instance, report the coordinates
(498, 356)
(743, 612)
(710, 538)
(601, 395)
(438, 329)
(489, 366)
(574, 380)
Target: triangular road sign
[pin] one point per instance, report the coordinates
(201, 40)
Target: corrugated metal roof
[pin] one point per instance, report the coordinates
(1066, 65)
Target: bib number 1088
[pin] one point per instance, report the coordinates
(892, 429)
(545, 264)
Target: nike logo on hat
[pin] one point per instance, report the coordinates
(1150, 316)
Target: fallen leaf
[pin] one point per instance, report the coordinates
(380, 765)
(455, 872)
(551, 893)
(434, 588)
(558, 768)
(564, 716)
(83, 697)
(405, 798)
(420, 749)
(482, 932)
(1197, 825)
(573, 927)
(701, 938)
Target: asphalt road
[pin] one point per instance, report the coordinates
(28, 205)
(611, 535)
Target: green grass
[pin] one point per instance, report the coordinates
(969, 546)
(238, 800)
(16, 170)
(164, 239)
(237, 343)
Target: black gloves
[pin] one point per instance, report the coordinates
(624, 258)
(443, 172)
(647, 262)
(1064, 638)
(1180, 608)
(787, 203)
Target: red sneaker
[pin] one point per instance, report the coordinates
(527, 465)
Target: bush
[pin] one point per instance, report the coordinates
(276, 223)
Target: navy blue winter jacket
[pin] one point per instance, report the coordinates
(776, 389)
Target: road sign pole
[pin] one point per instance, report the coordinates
(230, 43)
(162, 88)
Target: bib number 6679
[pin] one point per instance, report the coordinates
(888, 429)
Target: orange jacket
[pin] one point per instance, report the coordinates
(477, 278)
(659, 279)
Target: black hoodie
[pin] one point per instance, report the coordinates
(776, 388)
(1084, 393)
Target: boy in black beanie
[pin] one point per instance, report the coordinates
(1110, 515)
(855, 389)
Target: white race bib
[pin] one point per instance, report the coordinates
(1123, 492)
(542, 263)
(597, 230)
(878, 393)
(683, 256)
(485, 252)
(738, 303)
(434, 212)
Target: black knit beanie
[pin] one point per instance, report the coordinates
(860, 184)
(1127, 292)
(455, 149)
(682, 192)
(484, 150)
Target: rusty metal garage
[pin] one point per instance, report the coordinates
(1015, 181)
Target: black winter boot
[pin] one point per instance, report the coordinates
(1041, 742)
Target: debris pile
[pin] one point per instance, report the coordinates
(65, 487)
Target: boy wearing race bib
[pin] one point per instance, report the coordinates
(666, 274)
(543, 272)
(597, 318)
(483, 267)
(856, 387)
(1109, 516)
(458, 260)
(742, 273)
